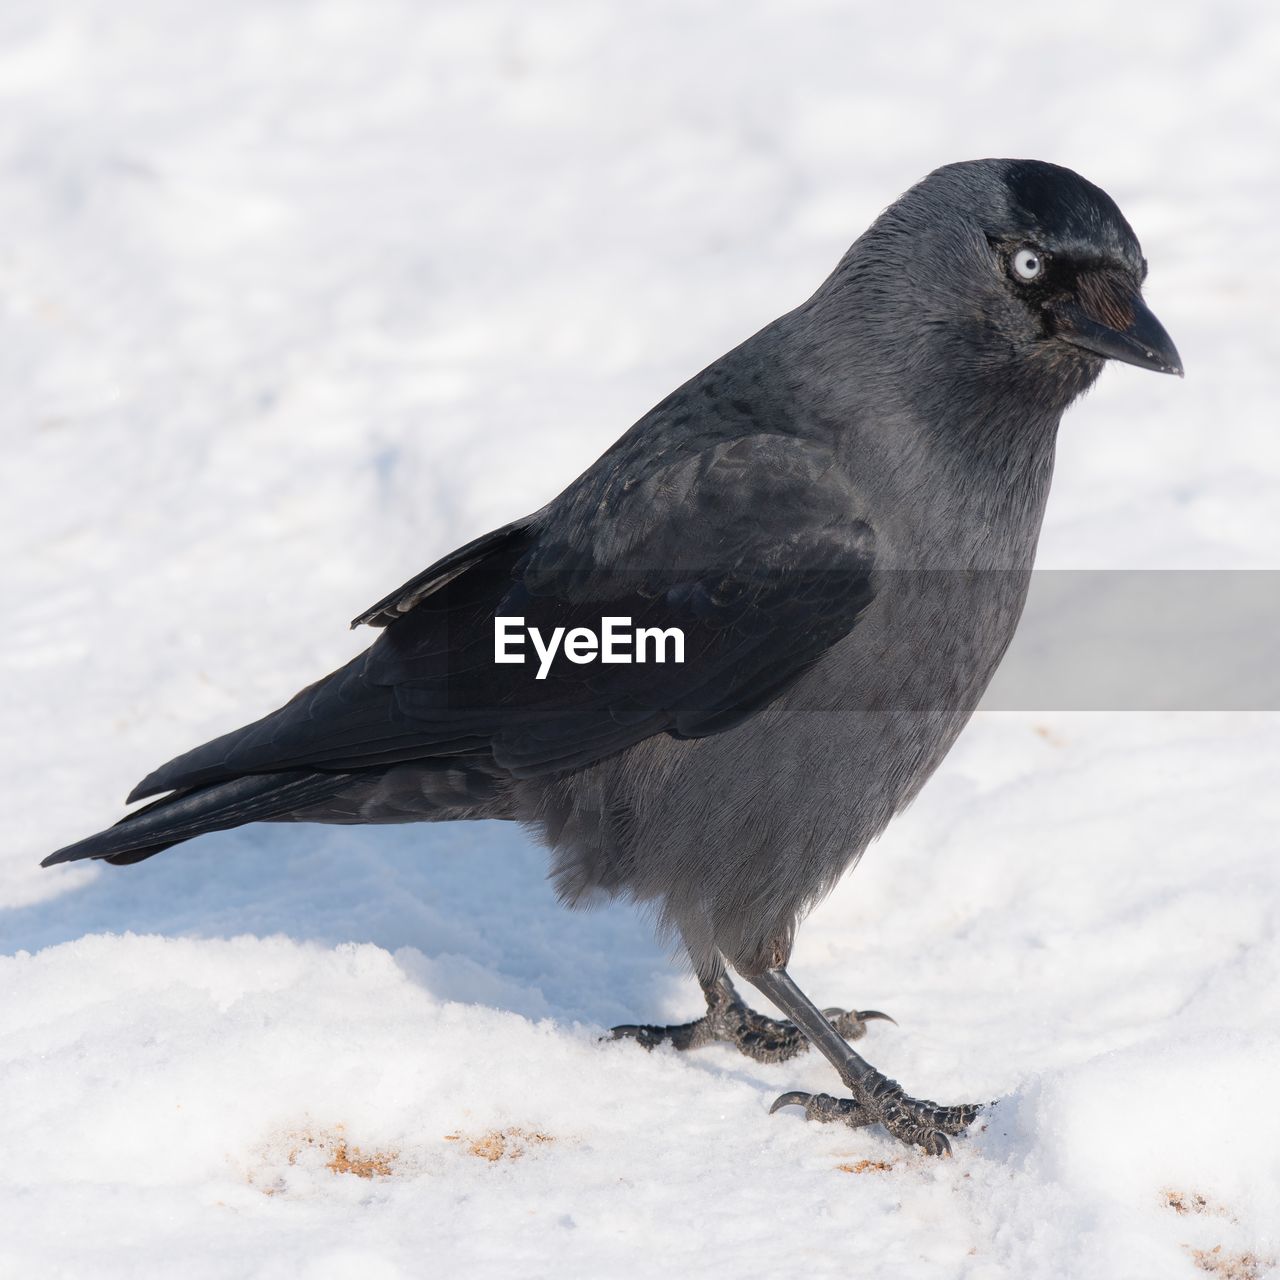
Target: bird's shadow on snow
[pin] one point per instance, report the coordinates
(467, 908)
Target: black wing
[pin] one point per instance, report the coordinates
(752, 548)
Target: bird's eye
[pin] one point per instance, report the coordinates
(1028, 264)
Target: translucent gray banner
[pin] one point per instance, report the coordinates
(1172, 640)
(879, 641)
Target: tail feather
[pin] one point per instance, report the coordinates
(197, 810)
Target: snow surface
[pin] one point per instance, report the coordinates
(294, 298)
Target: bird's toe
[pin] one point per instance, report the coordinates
(826, 1109)
(919, 1122)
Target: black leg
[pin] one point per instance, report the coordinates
(729, 1020)
(876, 1099)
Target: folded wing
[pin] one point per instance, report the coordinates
(751, 547)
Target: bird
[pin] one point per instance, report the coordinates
(836, 521)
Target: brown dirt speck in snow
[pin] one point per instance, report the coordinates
(1184, 1202)
(1194, 1202)
(1231, 1266)
(345, 1158)
(381, 1164)
(866, 1166)
(501, 1144)
(321, 1149)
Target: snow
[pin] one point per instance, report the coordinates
(295, 298)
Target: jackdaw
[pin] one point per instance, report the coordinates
(837, 519)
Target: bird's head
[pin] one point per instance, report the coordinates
(1008, 265)
(1069, 258)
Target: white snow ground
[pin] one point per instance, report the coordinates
(295, 297)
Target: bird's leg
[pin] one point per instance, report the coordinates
(876, 1099)
(729, 1019)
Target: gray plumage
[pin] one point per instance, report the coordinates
(841, 514)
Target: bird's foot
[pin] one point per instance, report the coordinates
(729, 1019)
(913, 1121)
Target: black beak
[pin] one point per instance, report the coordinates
(1106, 315)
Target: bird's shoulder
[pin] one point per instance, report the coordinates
(733, 459)
(692, 508)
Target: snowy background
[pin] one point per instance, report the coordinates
(296, 297)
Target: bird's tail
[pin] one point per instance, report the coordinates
(184, 814)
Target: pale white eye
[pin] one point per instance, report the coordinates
(1028, 264)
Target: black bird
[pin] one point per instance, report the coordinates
(838, 516)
